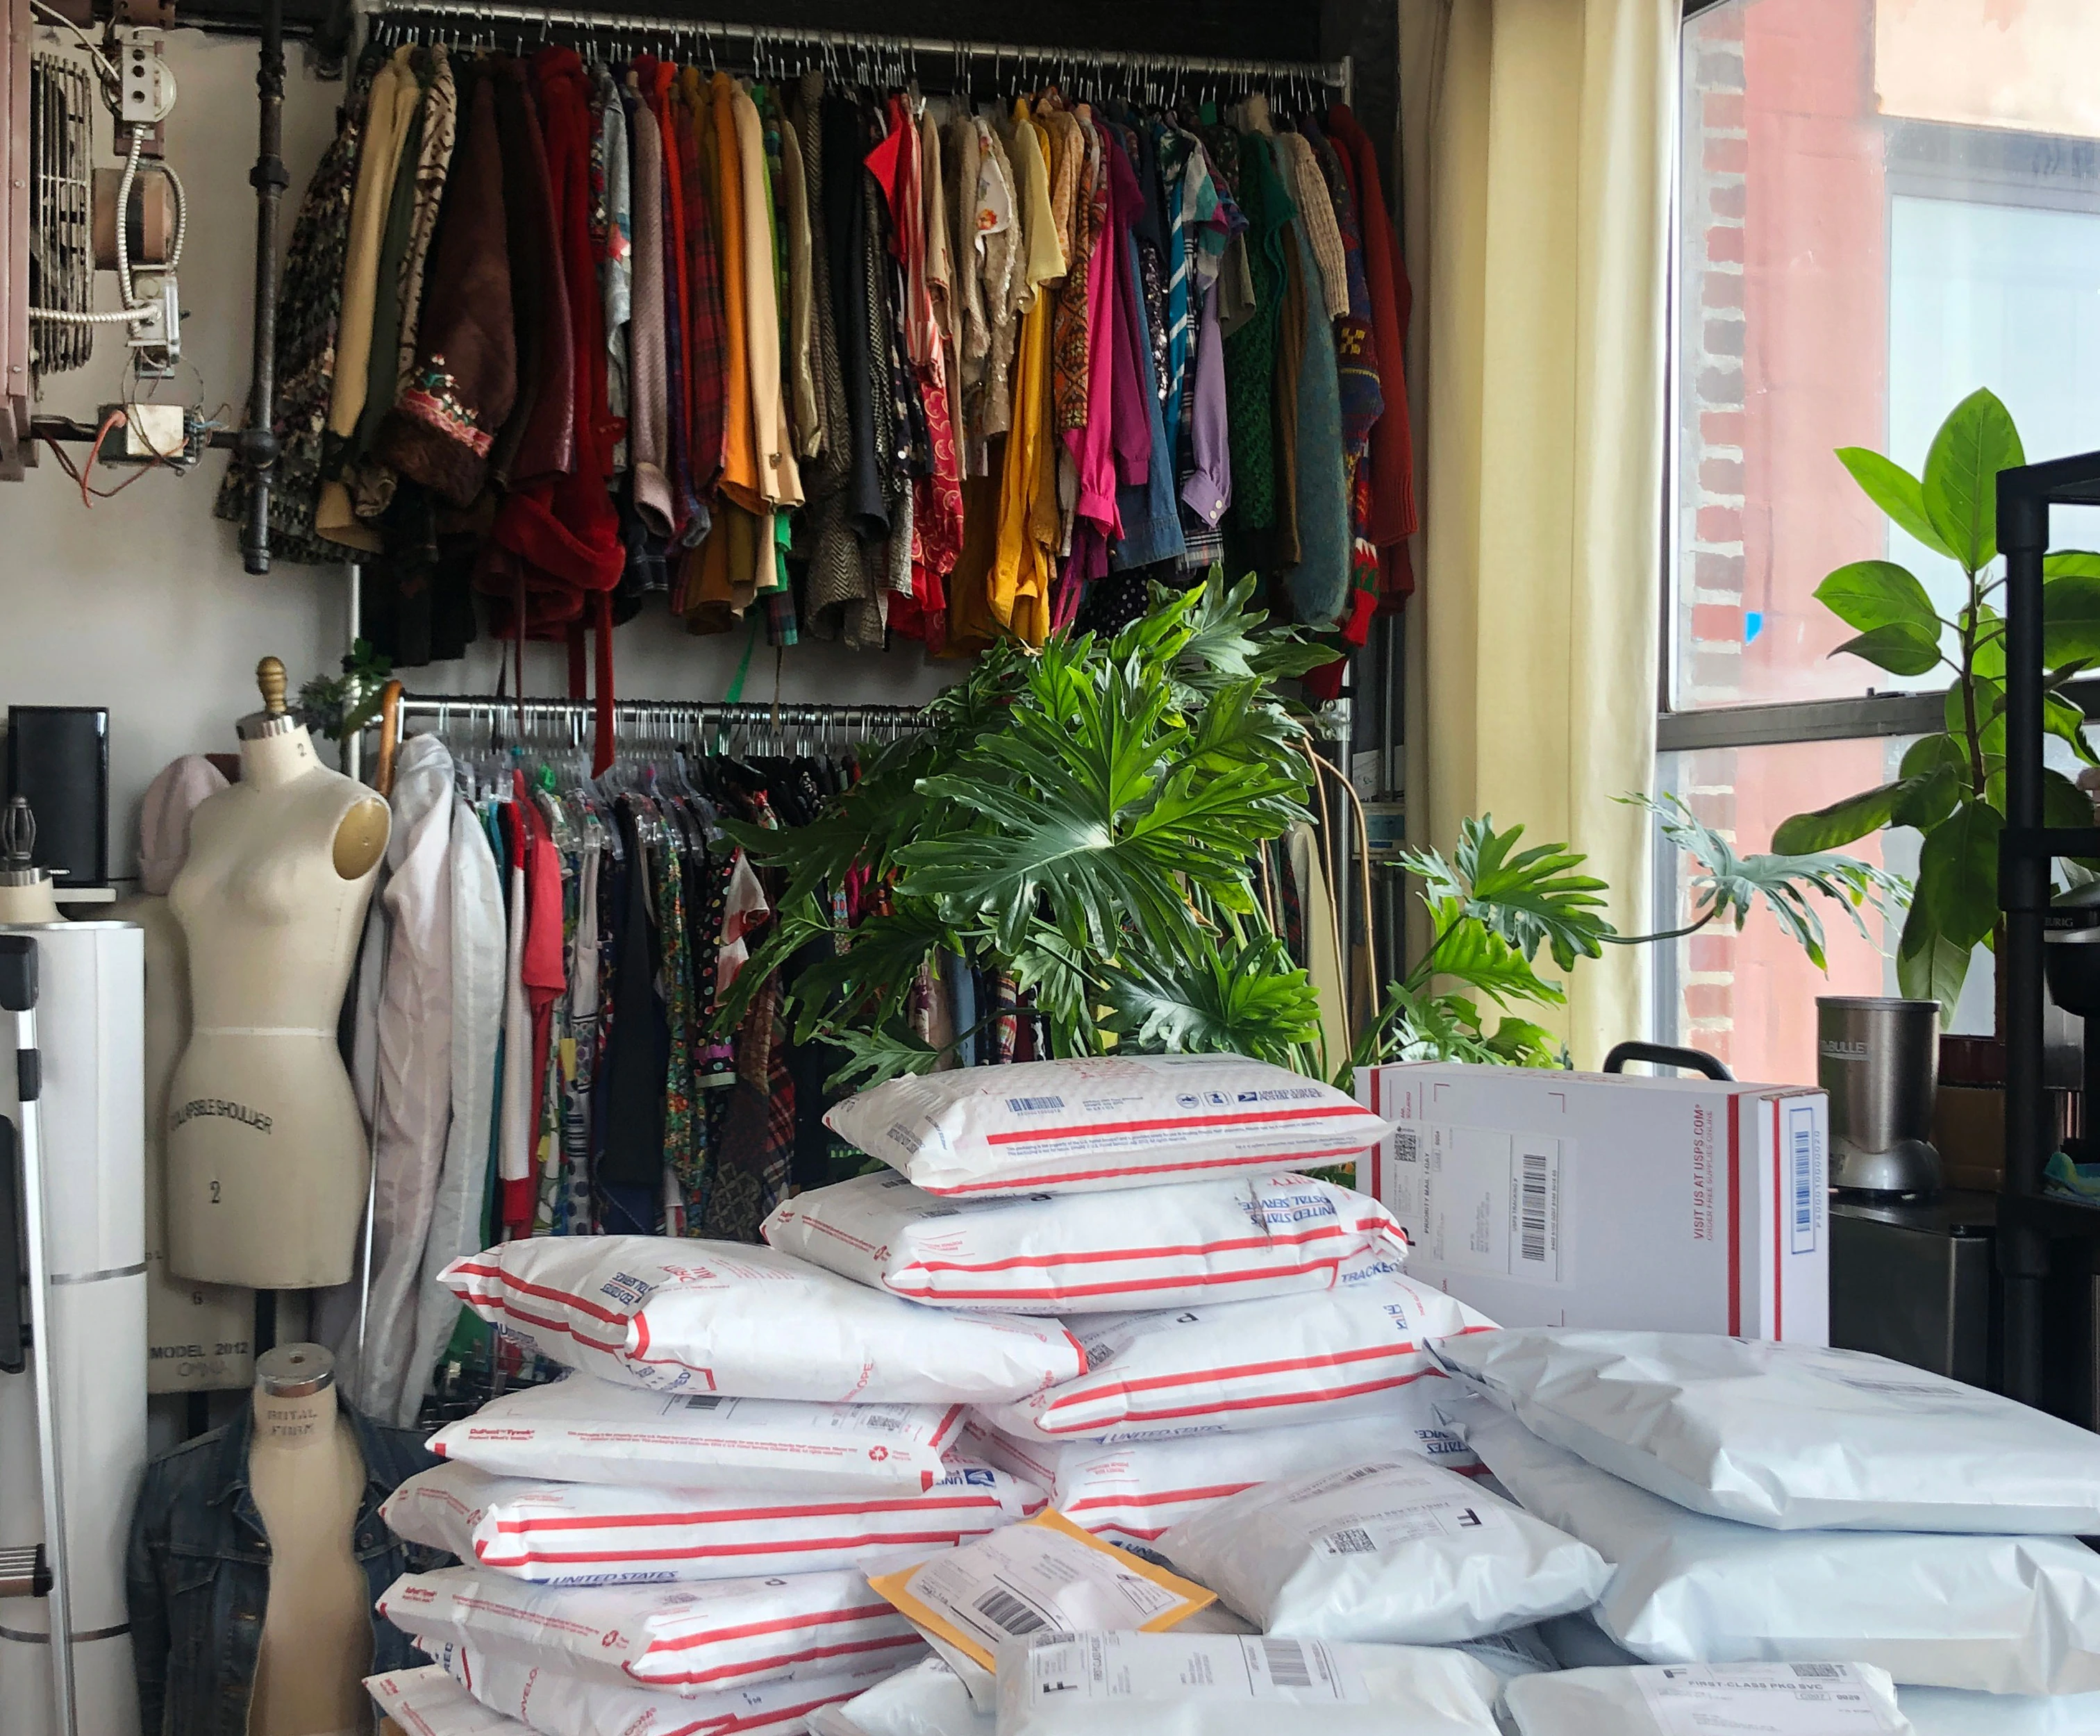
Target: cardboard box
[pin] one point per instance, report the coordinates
(1556, 1199)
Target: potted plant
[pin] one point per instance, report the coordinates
(1951, 785)
(1494, 906)
(1088, 820)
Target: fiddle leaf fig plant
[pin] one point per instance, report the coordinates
(1951, 785)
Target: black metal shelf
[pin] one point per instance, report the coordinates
(2030, 1219)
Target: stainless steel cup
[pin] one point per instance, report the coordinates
(1879, 1059)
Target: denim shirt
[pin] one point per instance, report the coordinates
(197, 1573)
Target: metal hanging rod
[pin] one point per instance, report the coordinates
(640, 715)
(1333, 74)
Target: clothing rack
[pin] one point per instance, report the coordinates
(661, 720)
(759, 40)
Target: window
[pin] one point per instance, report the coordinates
(1882, 205)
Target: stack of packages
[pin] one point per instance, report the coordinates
(673, 1538)
(1243, 1323)
(1780, 1516)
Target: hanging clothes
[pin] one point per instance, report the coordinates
(395, 97)
(875, 363)
(308, 323)
(1393, 517)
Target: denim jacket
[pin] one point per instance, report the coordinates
(197, 1573)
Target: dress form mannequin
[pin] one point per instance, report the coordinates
(266, 1152)
(25, 889)
(307, 1475)
(199, 1337)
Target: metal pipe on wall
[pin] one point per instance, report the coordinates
(258, 439)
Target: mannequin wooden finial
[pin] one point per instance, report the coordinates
(270, 678)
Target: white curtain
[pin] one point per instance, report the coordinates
(1536, 147)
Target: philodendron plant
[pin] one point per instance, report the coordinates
(1951, 786)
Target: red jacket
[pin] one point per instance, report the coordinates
(1393, 517)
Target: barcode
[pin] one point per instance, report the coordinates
(1533, 1224)
(703, 1401)
(1355, 1540)
(1032, 1105)
(1287, 1667)
(1800, 1160)
(1406, 1145)
(1378, 1469)
(1820, 1671)
(1003, 1610)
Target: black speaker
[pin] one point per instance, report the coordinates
(58, 758)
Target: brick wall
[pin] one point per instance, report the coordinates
(1710, 468)
(1781, 356)
(1710, 635)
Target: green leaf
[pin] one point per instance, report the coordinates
(1929, 966)
(1900, 649)
(2071, 614)
(1960, 489)
(2062, 802)
(1849, 817)
(1895, 491)
(874, 1057)
(1870, 594)
(1431, 1028)
(1253, 1002)
(1929, 751)
(1730, 886)
(1931, 797)
(1958, 874)
(1483, 959)
(870, 979)
(2067, 722)
(1521, 1043)
(1531, 897)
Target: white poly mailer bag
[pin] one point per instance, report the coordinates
(551, 1703)
(427, 1702)
(928, 1699)
(584, 1429)
(750, 1322)
(2003, 1615)
(1947, 1711)
(1792, 1436)
(1758, 1700)
(1230, 1366)
(1395, 1551)
(678, 1639)
(1045, 1575)
(1521, 1651)
(1221, 1685)
(589, 1534)
(1234, 1239)
(1133, 1493)
(1096, 1125)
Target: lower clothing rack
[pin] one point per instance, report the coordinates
(659, 719)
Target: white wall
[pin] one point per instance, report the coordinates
(140, 604)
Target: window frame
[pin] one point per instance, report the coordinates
(1689, 729)
(1916, 149)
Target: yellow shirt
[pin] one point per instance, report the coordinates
(1021, 570)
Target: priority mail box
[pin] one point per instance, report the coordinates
(1545, 1198)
